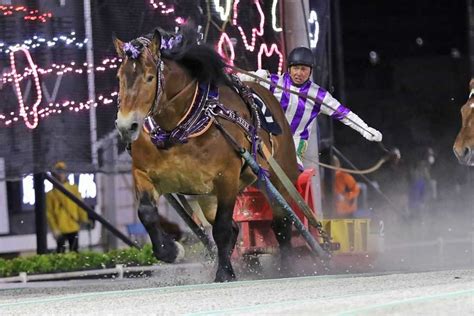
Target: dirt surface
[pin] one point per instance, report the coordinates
(424, 293)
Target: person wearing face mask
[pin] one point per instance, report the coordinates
(422, 187)
(301, 111)
(64, 216)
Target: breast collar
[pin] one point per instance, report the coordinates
(204, 109)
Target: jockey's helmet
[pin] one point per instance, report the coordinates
(301, 56)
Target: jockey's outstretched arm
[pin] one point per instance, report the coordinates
(336, 110)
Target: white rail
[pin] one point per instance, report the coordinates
(120, 270)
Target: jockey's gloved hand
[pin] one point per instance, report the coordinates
(372, 134)
(262, 73)
(355, 122)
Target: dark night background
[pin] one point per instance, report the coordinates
(414, 92)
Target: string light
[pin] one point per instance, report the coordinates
(223, 11)
(32, 15)
(60, 107)
(31, 115)
(160, 5)
(268, 53)
(255, 31)
(274, 17)
(106, 64)
(313, 24)
(37, 41)
(34, 111)
(224, 41)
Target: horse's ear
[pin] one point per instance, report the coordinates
(118, 46)
(155, 45)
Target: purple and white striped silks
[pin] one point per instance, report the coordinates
(301, 111)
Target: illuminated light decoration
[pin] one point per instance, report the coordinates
(180, 20)
(37, 41)
(86, 184)
(274, 17)
(58, 108)
(313, 29)
(108, 63)
(35, 16)
(18, 90)
(255, 31)
(160, 5)
(224, 41)
(32, 15)
(223, 11)
(268, 53)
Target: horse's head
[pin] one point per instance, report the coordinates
(140, 80)
(464, 144)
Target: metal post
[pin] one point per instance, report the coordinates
(338, 51)
(40, 214)
(4, 217)
(91, 80)
(470, 21)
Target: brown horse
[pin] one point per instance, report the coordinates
(464, 144)
(159, 82)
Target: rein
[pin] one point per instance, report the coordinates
(258, 78)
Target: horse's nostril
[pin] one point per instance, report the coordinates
(133, 127)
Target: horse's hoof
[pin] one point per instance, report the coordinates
(224, 280)
(224, 277)
(181, 252)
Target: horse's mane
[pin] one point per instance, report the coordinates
(200, 60)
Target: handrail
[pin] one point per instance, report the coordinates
(58, 185)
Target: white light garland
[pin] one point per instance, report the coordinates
(314, 23)
(274, 17)
(223, 11)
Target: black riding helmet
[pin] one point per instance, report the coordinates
(301, 56)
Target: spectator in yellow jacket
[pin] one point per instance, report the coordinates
(64, 216)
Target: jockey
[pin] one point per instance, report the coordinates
(300, 111)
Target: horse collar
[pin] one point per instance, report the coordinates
(194, 123)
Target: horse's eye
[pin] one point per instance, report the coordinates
(150, 78)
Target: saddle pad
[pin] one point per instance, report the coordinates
(266, 117)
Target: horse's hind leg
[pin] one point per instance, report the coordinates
(282, 227)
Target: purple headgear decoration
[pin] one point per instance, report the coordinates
(171, 42)
(131, 50)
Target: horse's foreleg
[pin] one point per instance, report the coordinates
(225, 232)
(164, 247)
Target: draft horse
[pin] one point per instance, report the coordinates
(174, 150)
(464, 144)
